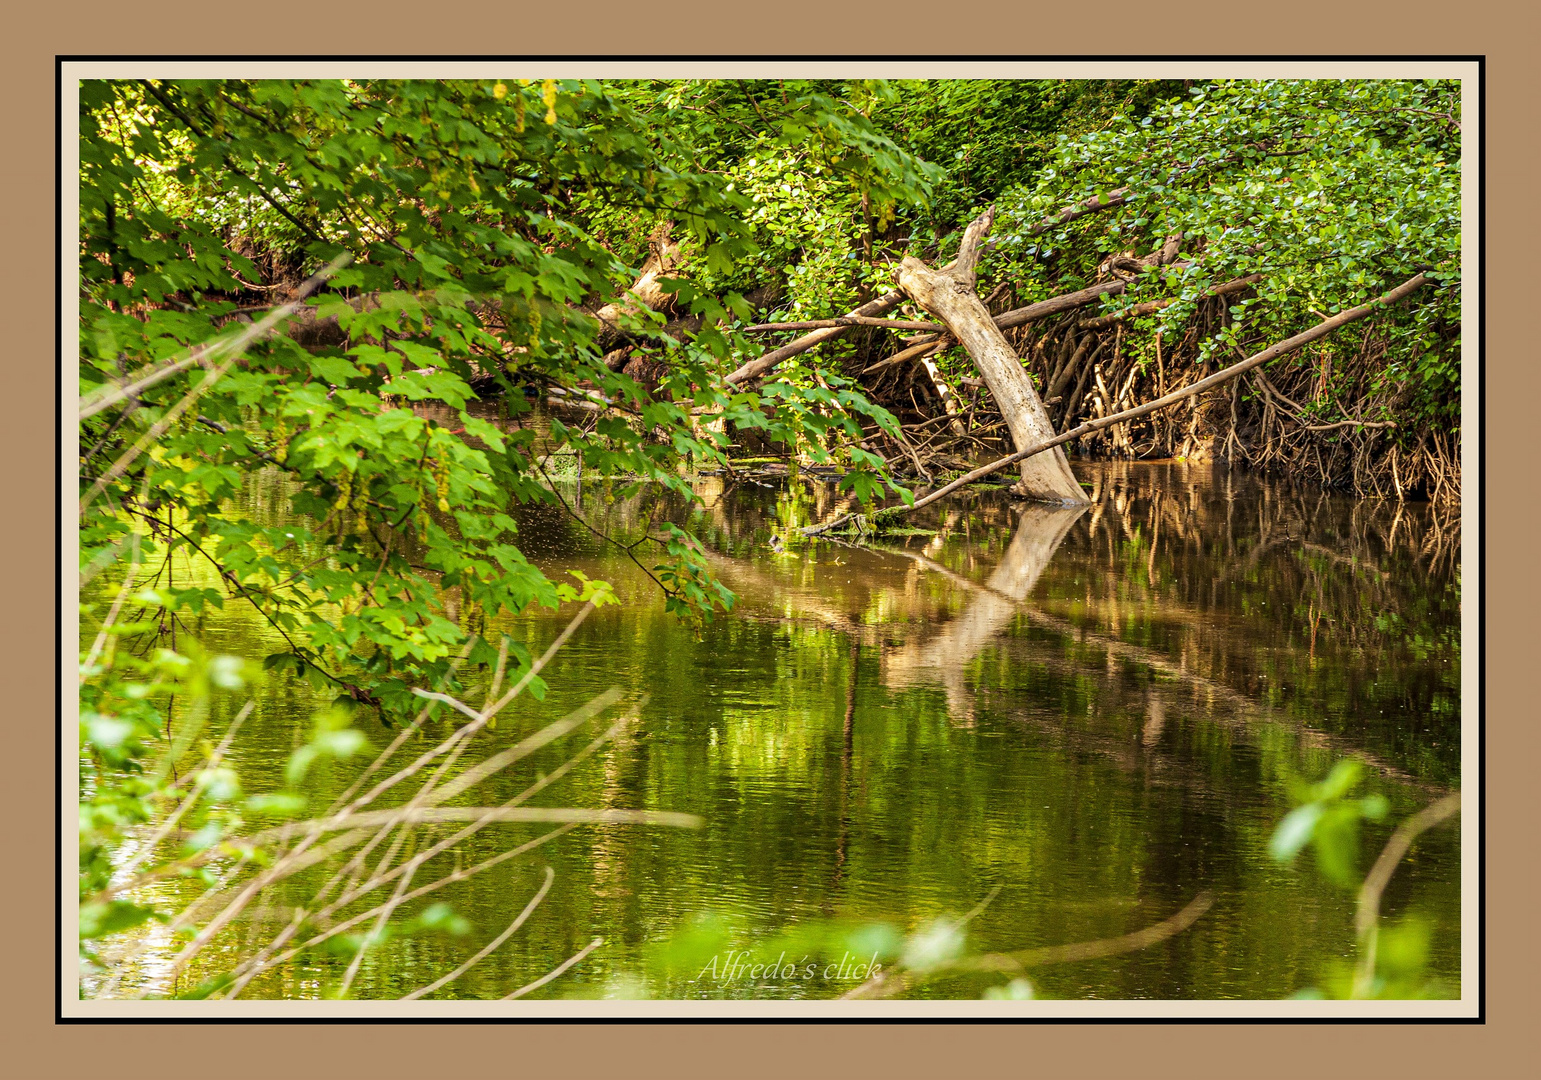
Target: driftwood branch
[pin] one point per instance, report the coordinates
(844, 320)
(1224, 375)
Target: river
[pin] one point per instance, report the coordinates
(1086, 717)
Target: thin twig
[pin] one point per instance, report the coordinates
(888, 983)
(557, 971)
(1367, 915)
(492, 945)
(192, 796)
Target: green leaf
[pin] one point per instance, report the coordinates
(113, 917)
(1294, 831)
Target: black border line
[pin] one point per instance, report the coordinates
(1481, 366)
(1482, 346)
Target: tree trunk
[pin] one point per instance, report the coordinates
(1046, 477)
(645, 292)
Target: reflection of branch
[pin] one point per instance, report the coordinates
(1150, 658)
(886, 985)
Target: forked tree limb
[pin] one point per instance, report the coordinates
(1273, 352)
(965, 268)
(890, 300)
(1032, 312)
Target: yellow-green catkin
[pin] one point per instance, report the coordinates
(361, 509)
(280, 442)
(441, 477)
(548, 95)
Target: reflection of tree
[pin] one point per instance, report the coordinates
(1040, 531)
(847, 744)
(1217, 702)
(1260, 597)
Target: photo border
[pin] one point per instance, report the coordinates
(1466, 1009)
(1501, 1047)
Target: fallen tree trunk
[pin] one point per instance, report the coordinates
(951, 298)
(890, 300)
(1274, 351)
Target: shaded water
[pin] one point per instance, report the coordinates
(1095, 712)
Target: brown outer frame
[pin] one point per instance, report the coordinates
(36, 1047)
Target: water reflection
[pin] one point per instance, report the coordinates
(989, 609)
(1097, 710)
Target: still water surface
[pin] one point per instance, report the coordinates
(1094, 714)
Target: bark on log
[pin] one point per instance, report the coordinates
(1046, 478)
(645, 292)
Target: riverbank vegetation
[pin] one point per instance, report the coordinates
(417, 307)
